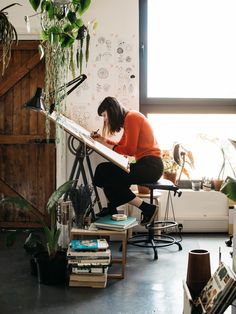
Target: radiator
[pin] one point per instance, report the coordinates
(197, 211)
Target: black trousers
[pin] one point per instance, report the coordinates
(116, 182)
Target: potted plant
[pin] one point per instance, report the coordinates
(170, 166)
(8, 35)
(221, 144)
(177, 161)
(64, 39)
(51, 262)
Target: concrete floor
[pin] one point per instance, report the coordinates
(149, 286)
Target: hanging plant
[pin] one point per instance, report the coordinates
(63, 30)
(8, 35)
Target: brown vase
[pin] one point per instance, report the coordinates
(170, 176)
(198, 271)
(217, 184)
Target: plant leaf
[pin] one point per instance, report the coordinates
(84, 5)
(71, 16)
(35, 4)
(67, 41)
(56, 195)
(229, 188)
(10, 5)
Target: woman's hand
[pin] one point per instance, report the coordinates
(97, 137)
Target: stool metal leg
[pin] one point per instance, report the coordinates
(150, 239)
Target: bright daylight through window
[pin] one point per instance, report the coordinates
(189, 52)
(191, 49)
(204, 135)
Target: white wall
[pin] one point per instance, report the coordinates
(16, 16)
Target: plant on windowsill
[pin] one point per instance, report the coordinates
(219, 179)
(176, 162)
(229, 185)
(65, 41)
(170, 166)
(51, 259)
(8, 36)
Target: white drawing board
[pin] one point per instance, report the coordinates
(83, 135)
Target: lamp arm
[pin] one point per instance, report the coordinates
(78, 80)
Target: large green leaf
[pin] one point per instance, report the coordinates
(71, 16)
(52, 236)
(229, 188)
(56, 195)
(84, 5)
(35, 4)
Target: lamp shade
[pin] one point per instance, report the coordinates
(35, 103)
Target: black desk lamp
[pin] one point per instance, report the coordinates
(36, 102)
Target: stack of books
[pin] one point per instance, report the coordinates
(117, 225)
(88, 262)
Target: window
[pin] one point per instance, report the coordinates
(188, 77)
(204, 135)
(187, 56)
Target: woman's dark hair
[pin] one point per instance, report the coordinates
(115, 113)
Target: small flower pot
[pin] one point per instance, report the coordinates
(217, 184)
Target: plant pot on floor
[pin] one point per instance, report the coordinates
(51, 271)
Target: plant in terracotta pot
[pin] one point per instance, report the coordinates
(177, 161)
(51, 262)
(170, 166)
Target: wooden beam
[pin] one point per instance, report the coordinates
(21, 139)
(19, 74)
(25, 45)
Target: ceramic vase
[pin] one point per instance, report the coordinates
(198, 271)
(217, 184)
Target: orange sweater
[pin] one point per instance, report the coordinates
(138, 139)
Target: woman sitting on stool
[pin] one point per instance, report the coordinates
(138, 141)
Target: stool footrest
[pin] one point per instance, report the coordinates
(163, 225)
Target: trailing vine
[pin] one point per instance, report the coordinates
(8, 35)
(62, 28)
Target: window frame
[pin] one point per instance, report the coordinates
(171, 105)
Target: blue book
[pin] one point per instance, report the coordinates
(107, 221)
(90, 244)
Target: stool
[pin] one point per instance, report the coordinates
(150, 239)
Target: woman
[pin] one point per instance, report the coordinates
(137, 141)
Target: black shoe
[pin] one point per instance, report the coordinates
(149, 215)
(107, 211)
